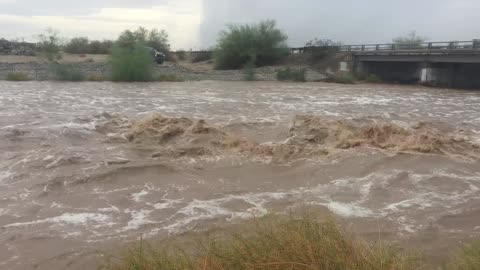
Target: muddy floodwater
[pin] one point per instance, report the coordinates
(87, 167)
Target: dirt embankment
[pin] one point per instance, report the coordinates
(97, 65)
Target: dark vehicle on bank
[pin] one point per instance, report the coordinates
(157, 56)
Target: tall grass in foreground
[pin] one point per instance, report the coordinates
(467, 259)
(131, 65)
(272, 245)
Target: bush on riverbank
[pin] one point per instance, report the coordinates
(201, 57)
(50, 45)
(239, 44)
(96, 78)
(168, 78)
(68, 73)
(17, 76)
(344, 78)
(249, 72)
(291, 74)
(372, 78)
(272, 245)
(131, 64)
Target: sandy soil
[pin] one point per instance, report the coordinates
(67, 58)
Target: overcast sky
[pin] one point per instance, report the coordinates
(196, 23)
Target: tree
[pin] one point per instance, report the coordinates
(262, 43)
(321, 48)
(159, 40)
(78, 45)
(50, 45)
(409, 41)
(323, 43)
(154, 38)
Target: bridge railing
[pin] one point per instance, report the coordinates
(446, 45)
(425, 46)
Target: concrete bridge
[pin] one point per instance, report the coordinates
(446, 64)
(454, 64)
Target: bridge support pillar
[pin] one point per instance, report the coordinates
(452, 75)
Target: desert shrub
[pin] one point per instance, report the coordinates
(17, 76)
(372, 78)
(50, 45)
(409, 41)
(319, 49)
(344, 78)
(181, 54)
(300, 244)
(100, 47)
(249, 72)
(203, 56)
(238, 43)
(169, 78)
(78, 45)
(289, 74)
(131, 64)
(68, 73)
(466, 259)
(96, 78)
(81, 45)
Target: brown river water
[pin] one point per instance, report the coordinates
(88, 167)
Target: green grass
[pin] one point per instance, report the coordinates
(96, 78)
(466, 259)
(371, 78)
(169, 78)
(17, 76)
(289, 74)
(68, 73)
(132, 65)
(344, 78)
(272, 244)
(249, 72)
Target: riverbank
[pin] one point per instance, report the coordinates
(96, 66)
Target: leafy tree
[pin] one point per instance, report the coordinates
(321, 48)
(154, 38)
(78, 45)
(83, 45)
(126, 39)
(158, 40)
(410, 40)
(50, 45)
(263, 43)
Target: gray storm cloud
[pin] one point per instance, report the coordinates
(70, 8)
(350, 21)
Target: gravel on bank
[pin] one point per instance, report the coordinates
(44, 71)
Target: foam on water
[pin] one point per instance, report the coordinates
(75, 219)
